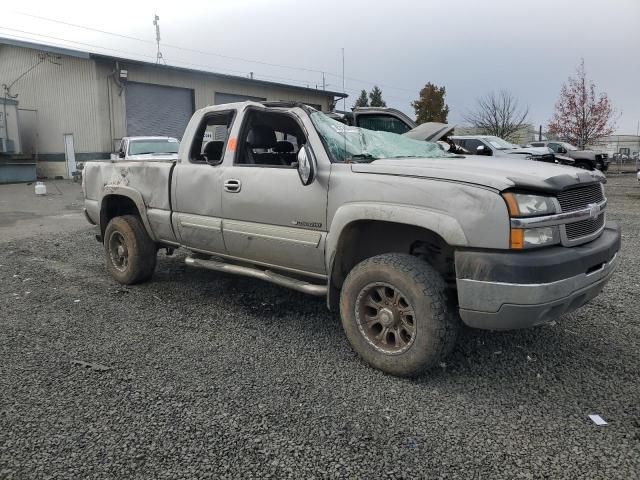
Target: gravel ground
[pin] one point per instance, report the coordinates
(221, 376)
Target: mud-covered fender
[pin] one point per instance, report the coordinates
(434, 220)
(437, 221)
(135, 196)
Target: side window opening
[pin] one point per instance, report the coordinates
(383, 123)
(270, 139)
(211, 139)
(472, 144)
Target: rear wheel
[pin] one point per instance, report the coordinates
(130, 252)
(396, 315)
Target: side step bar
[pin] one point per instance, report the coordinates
(268, 275)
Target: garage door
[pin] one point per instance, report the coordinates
(158, 110)
(232, 98)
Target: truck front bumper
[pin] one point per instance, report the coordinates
(512, 290)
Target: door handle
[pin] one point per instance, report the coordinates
(232, 185)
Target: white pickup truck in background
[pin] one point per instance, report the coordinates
(147, 148)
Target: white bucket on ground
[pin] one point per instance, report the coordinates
(41, 188)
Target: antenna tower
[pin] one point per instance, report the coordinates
(159, 57)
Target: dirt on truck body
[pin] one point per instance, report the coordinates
(405, 240)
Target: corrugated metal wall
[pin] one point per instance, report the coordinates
(65, 96)
(78, 97)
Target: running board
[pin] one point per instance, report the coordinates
(268, 275)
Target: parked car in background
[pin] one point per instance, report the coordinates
(497, 147)
(391, 120)
(585, 159)
(148, 148)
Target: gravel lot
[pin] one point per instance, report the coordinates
(221, 376)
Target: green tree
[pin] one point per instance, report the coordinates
(375, 98)
(430, 107)
(363, 100)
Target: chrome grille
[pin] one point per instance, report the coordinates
(584, 228)
(580, 197)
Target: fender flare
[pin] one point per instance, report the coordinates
(437, 221)
(135, 196)
(434, 220)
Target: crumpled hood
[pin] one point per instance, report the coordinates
(498, 173)
(430, 131)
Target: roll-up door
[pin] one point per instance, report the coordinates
(221, 98)
(157, 110)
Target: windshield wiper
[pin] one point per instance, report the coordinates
(362, 158)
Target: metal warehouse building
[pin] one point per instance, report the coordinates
(74, 106)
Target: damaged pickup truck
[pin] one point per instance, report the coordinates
(404, 239)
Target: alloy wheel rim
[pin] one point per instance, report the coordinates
(385, 318)
(118, 251)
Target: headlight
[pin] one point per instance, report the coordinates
(534, 237)
(526, 205)
(529, 205)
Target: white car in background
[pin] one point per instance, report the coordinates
(147, 148)
(495, 146)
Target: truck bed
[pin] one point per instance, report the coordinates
(148, 181)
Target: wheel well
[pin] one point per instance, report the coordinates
(116, 206)
(585, 161)
(366, 238)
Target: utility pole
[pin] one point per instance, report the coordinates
(324, 85)
(344, 100)
(159, 57)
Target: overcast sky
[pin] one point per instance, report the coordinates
(471, 47)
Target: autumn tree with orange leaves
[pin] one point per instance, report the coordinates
(581, 115)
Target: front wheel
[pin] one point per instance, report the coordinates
(395, 314)
(130, 253)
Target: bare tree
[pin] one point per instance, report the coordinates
(498, 114)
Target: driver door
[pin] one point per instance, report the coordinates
(270, 217)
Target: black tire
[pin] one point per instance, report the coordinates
(136, 262)
(435, 323)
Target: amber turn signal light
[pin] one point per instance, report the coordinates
(512, 205)
(517, 238)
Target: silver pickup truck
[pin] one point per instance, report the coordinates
(404, 239)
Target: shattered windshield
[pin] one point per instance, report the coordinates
(346, 143)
